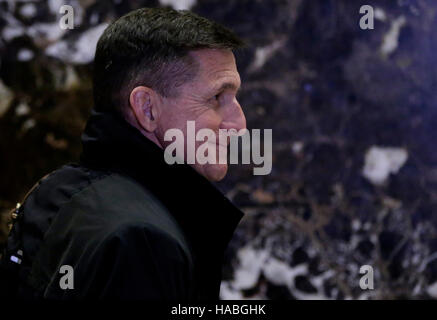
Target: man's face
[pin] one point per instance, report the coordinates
(209, 100)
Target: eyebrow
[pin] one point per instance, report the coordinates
(227, 85)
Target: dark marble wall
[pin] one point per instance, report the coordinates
(353, 115)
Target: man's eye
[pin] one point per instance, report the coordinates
(215, 98)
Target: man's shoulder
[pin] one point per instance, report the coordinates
(96, 203)
(84, 213)
(113, 197)
(76, 197)
(116, 200)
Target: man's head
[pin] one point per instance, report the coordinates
(160, 68)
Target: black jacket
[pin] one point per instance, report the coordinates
(131, 226)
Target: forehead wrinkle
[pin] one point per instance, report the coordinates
(228, 81)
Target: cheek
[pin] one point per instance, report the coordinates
(171, 118)
(180, 112)
(169, 122)
(210, 119)
(176, 116)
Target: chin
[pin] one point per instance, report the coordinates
(214, 172)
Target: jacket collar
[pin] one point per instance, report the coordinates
(206, 216)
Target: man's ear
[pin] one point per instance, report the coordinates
(144, 104)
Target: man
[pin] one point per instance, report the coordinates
(123, 223)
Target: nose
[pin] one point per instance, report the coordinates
(234, 118)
